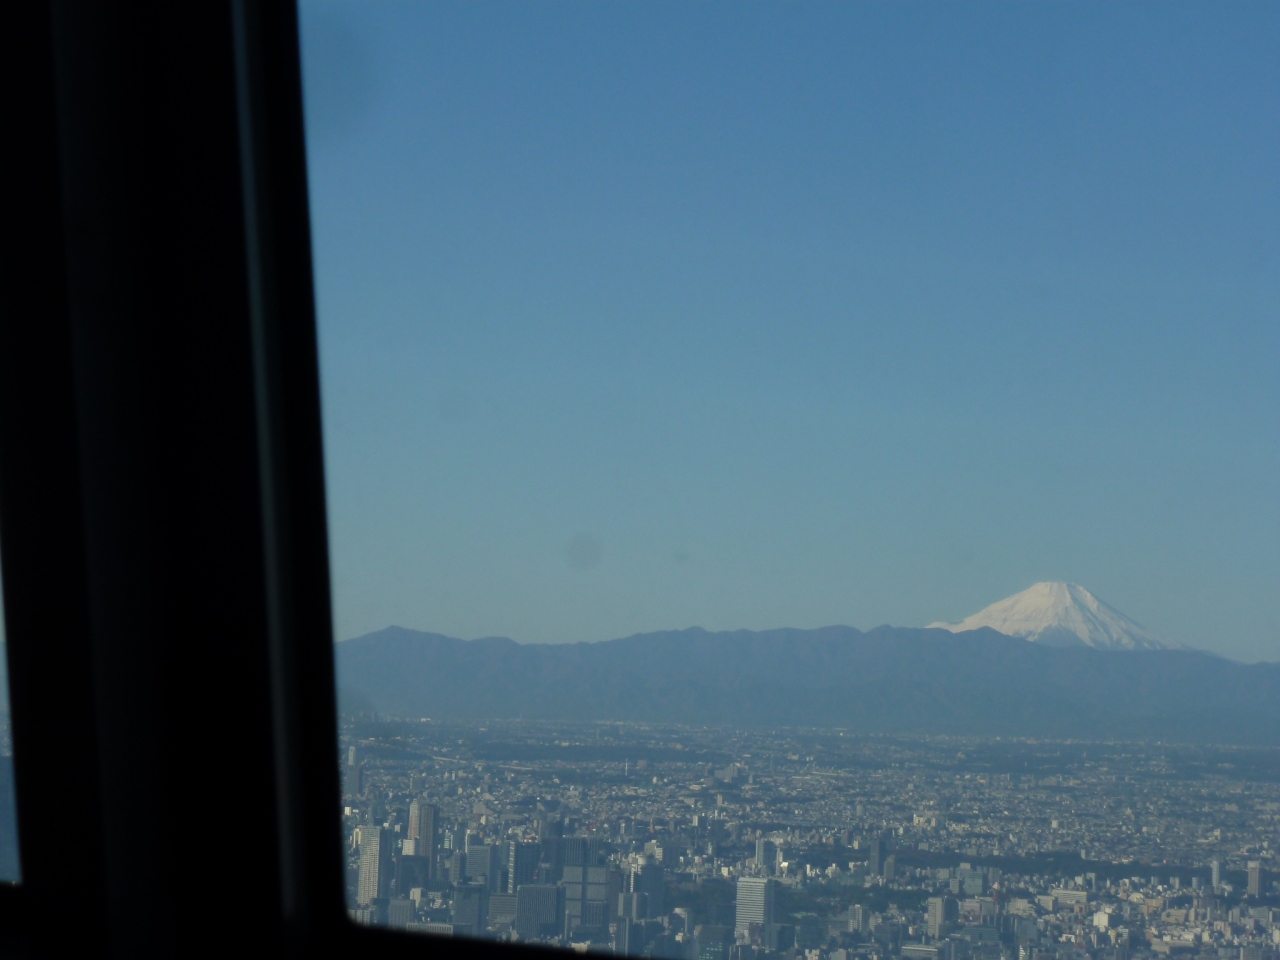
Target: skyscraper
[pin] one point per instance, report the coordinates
(649, 880)
(1255, 878)
(936, 916)
(522, 864)
(1215, 868)
(765, 853)
(859, 919)
(471, 909)
(484, 861)
(539, 911)
(424, 826)
(874, 864)
(375, 864)
(754, 903)
(890, 867)
(713, 941)
(633, 906)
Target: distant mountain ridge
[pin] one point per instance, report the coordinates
(1063, 615)
(887, 680)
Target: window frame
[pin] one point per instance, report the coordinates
(165, 566)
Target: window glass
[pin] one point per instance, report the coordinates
(10, 868)
(802, 477)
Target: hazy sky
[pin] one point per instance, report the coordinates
(638, 317)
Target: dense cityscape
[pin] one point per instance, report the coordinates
(731, 844)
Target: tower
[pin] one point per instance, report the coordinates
(649, 880)
(375, 864)
(936, 916)
(859, 919)
(874, 864)
(754, 903)
(522, 864)
(424, 826)
(471, 909)
(1255, 878)
(539, 911)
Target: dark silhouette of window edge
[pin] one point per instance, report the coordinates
(162, 497)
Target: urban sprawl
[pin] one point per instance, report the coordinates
(728, 844)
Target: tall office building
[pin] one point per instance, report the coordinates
(484, 864)
(649, 880)
(874, 864)
(859, 919)
(539, 911)
(502, 909)
(353, 780)
(1255, 878)
(454, 867)
(713, 942)
(937, 915)
(890, 867)
(522, 864)
(424, 827)
(1215, 869)
(591, 896)
(973, 881)
(376, 864)
(628, 938)
(754, 903)
(412, 871)
(633, 906)
(471, 909)
(765, 853)
(548, 827)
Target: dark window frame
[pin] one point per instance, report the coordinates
(162, 502)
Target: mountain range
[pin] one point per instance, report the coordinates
(890, 680)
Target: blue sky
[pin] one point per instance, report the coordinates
(638, 317)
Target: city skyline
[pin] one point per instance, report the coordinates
(695, 843)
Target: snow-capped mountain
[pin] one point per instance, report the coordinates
(1063, 615)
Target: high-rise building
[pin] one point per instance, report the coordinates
(502, 909)
(400, 913)
(874, 864)
(470, 909)
(424, 827)
(591, 896)
(939, 912)
(376, 864)
(1215, 870)
(754, 902)
(549, 827)
(539, 911)
(522, 864)
(973, 880)
(455, 866)
(633, 906)
(766, 852)
(353, 780)
(628, 937)
(890, 867)
(1255, 878)
(411, 872)
(649, 880)
(713, 942)
(859, 919)
(484, 865)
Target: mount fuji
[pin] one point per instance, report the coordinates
(1063, 615)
